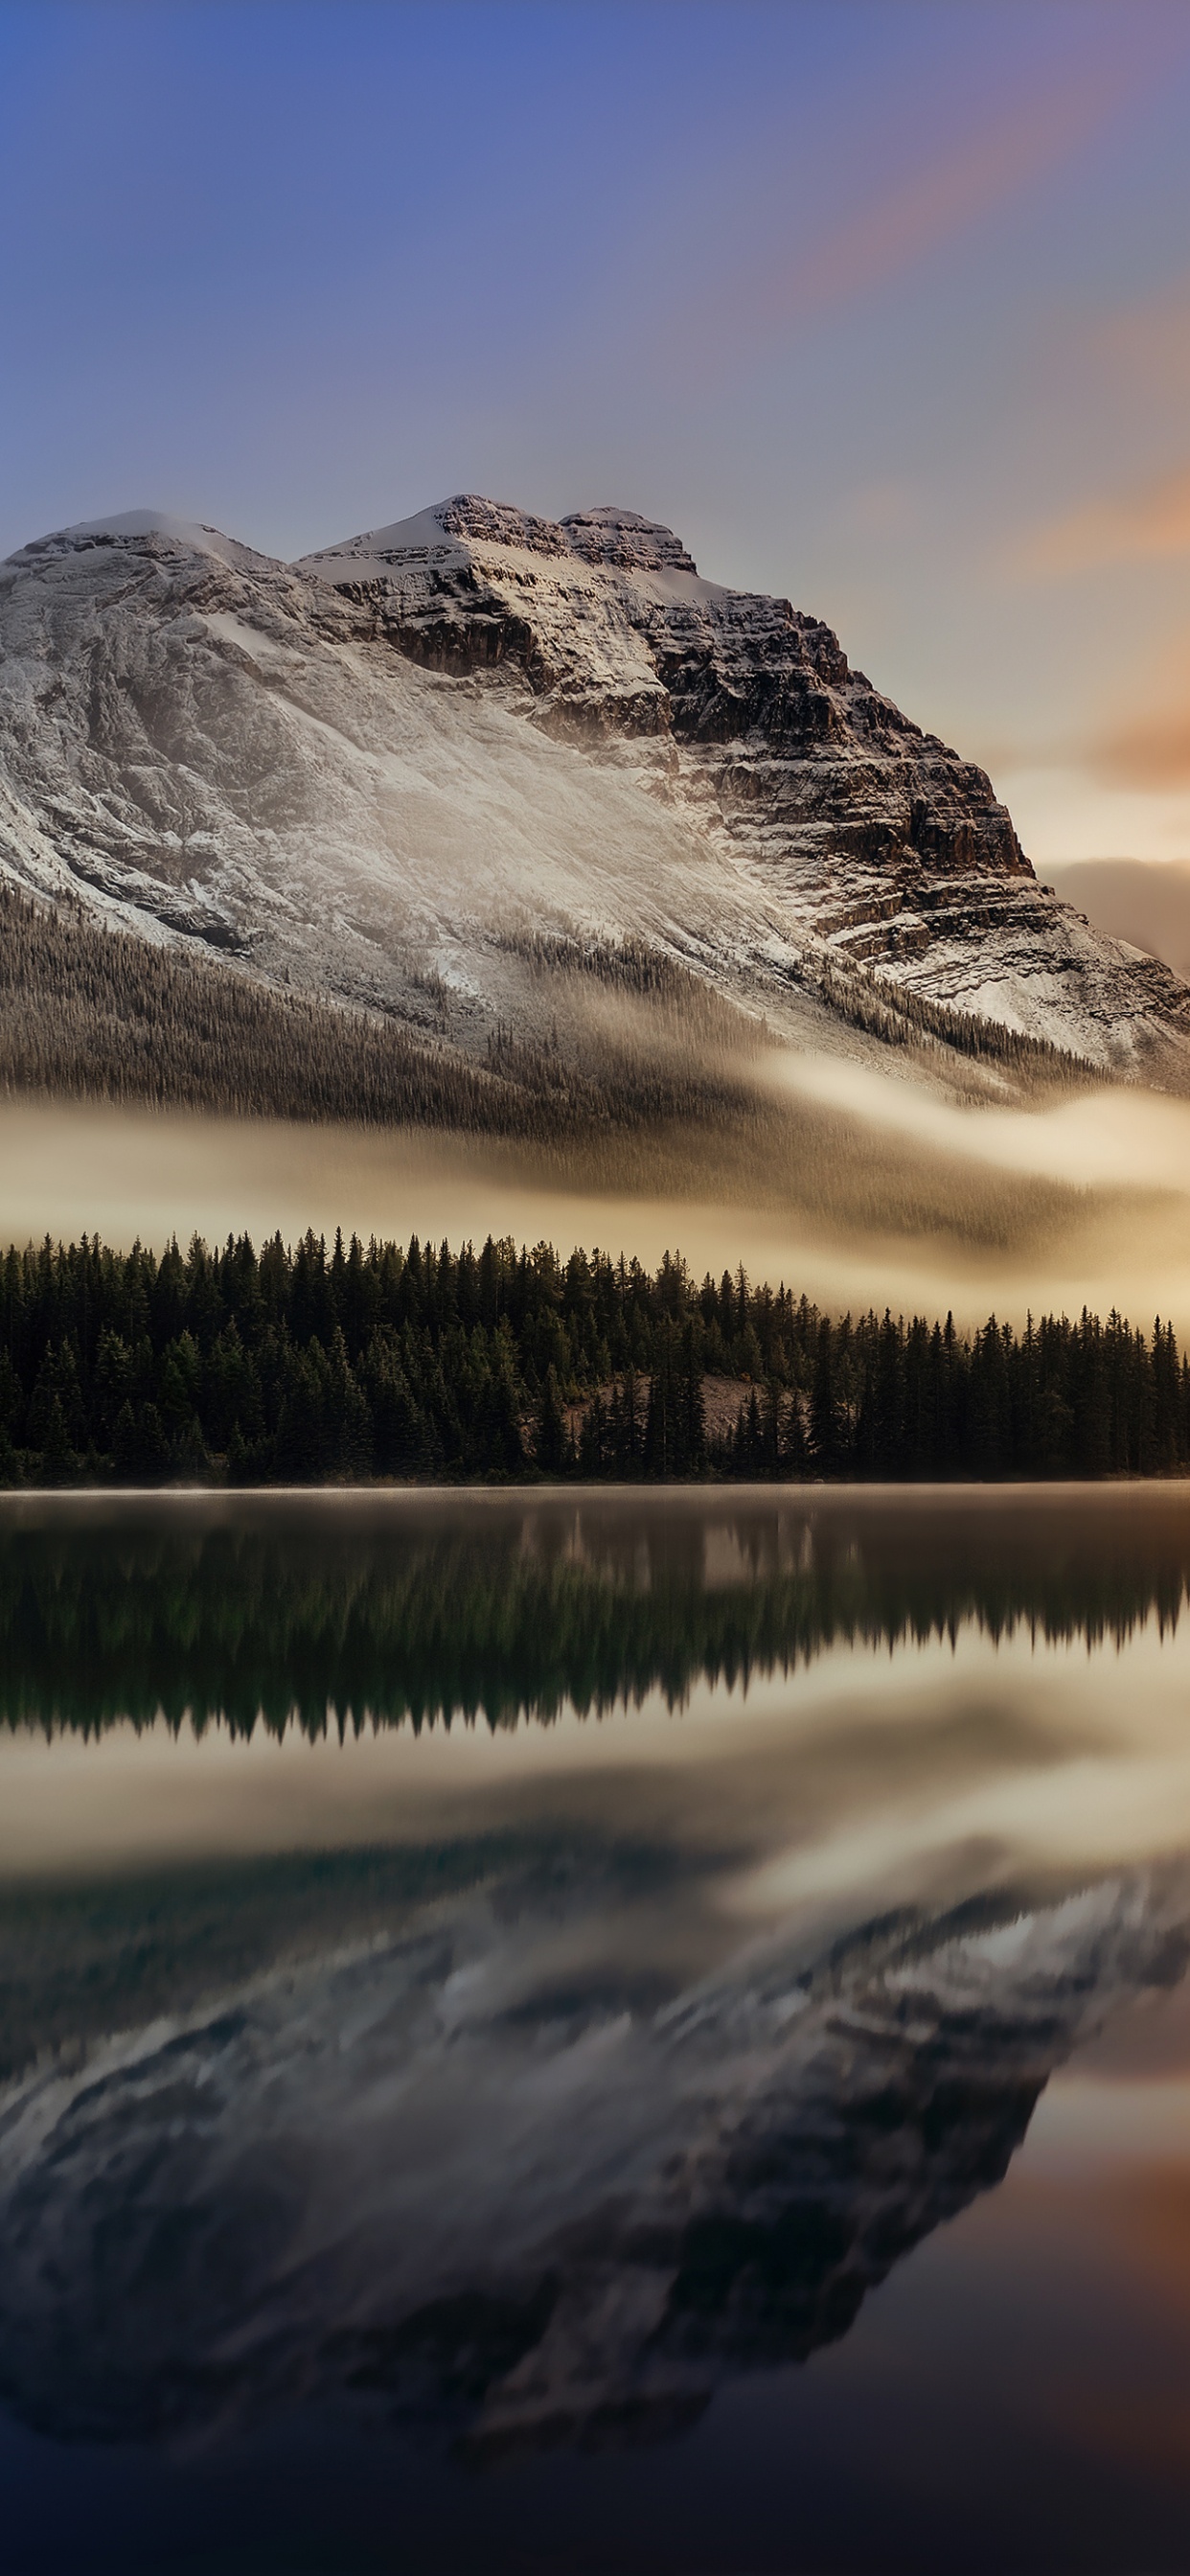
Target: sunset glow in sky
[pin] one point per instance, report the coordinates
(882, 305)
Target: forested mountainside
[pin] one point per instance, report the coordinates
(440, 772)
(299, 1368)
(90, 1011)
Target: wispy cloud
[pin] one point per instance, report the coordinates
(1148, 525)
(1147, 745)
(1153, 754)
(985, 164)
(983, 169)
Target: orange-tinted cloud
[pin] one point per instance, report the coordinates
(983, 166)
(1153, 754)
(1151, 525)
(1150, 748)
(981, 170)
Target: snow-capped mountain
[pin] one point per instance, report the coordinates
(384, 772)
(523, 2206)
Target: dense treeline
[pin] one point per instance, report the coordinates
(310, 1366)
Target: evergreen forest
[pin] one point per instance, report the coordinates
(418, 1363)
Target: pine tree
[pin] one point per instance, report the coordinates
(824, 1420)
(550, 1442)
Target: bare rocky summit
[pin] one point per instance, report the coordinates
(391, 772)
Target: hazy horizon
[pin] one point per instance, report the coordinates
(1084, 1202)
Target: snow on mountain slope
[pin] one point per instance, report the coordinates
(207, 744)
(380, 772)
(857, 829)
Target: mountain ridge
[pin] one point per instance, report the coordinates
(383, 773)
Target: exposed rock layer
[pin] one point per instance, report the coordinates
(381, 771)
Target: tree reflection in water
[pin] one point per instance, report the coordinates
(450, 2127)
(426, 1607)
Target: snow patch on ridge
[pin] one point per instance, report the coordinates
(129, 525)
(475, 724)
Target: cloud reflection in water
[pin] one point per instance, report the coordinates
(504, 2117)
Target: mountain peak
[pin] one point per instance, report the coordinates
(623, 538)
(619, 540)
(464, 519)
(133, 527)
(218, 746)
(469, 516)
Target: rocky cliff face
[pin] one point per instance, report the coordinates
(520, 2206)
(857, 833)
(384, 772)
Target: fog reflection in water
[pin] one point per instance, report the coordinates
(518, 1969)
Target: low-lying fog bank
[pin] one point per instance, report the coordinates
(922, 1205)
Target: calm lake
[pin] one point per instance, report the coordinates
(585, 2032)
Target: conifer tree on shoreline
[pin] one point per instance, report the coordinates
(420, 1363)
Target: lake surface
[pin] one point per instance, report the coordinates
(587, 2032)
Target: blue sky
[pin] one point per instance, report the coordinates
(883, 305)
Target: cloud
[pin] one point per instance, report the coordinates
(921, 212)
(1149, 525)
(1154, 754)
(1149, 749)
(1146, 751)
(985, 164)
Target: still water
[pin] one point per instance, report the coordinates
(596, 2032)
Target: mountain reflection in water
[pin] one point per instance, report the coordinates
(536, 2108)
